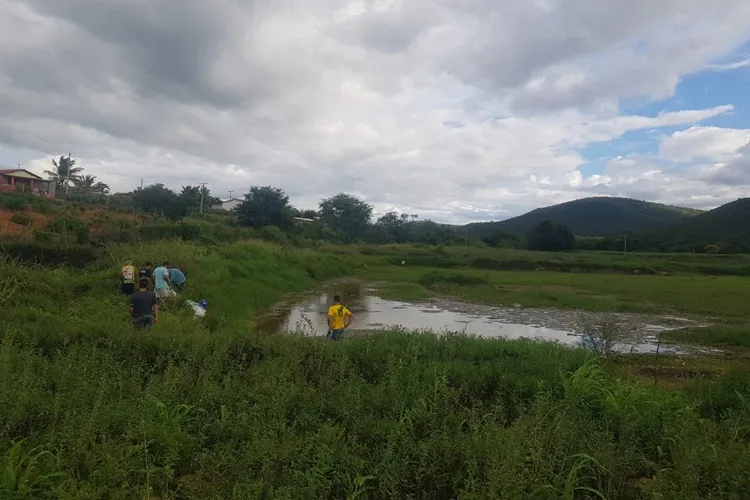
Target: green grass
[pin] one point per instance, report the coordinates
(715, 335)
(721, 297)
(209, 409)
(524, 260)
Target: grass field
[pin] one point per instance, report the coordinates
(209, 409)
(523, 260)
(722, 297)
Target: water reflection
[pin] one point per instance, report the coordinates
(309, 316)
(373, 313)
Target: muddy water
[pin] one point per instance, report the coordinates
(307, 315)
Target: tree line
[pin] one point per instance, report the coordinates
(342, 218)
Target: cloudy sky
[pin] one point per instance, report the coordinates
(453, 109)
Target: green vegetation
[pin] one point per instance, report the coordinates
(446, 257)
(550, 237)
(732, 335)
(207, 409)
(597, 216)
(694, 295)
(727, 227)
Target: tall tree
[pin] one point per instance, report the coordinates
(159, 199)
(395, 227)
(65, 171)
(346, 213)
(265, 206)
(87, 187)
(550, 237)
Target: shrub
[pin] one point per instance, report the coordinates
(435, 277)
(51, 255)
(15, 202)
(21, 218)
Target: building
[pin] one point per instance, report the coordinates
(227, 205)
(19, 179)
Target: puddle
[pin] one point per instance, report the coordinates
(308, 316)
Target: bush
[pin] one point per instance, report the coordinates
(21, 218)
(51, 255)
(15, 202)
(435, 277)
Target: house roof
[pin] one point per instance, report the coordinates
(20, 172)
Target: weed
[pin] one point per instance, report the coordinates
(605, 336)
(90, 408)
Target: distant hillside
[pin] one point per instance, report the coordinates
(728, 227)
(597, 216)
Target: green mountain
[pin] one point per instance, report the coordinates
(596, 216)
(727, 227)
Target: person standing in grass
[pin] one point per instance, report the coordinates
(146, 272)
(339, 318)
(161, 281)
(127, 278)
(177, 278)
(144, 307)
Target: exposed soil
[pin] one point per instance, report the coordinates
(636, 326)
(38, 221)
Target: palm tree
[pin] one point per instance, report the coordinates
(101, 188)
(85, 182)
(65, 171)
(87, 186)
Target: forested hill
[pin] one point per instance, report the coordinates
(597, 216)
(727, 227)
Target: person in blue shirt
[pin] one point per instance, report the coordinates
(161, 281)
(177, 278)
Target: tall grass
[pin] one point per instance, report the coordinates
(492, 259)
(91, 409)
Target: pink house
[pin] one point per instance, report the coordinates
(18, 179)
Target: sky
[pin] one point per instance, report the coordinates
(456, 110)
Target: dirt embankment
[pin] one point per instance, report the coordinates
(9, 227)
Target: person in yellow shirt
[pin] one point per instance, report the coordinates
(339, 318)
(127, 279)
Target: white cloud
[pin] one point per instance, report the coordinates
(360, 96)
(708, 143)
(745, 63)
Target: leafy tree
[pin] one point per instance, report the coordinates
(393, 227)
(265, 206)
(348, 214)
(87, 188)
(158, 199)
(309, 214)
(550, 237)
(64, 171)
(191, 197)
(501, 239)
(432, 233)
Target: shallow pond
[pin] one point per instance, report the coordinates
(307, 315)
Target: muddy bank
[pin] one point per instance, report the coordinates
(633, 325)
(306, 314)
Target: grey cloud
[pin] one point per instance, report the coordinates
(737, 171)
(298, 95)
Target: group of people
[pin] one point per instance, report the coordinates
(153, 286)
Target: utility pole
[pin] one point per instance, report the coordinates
(141, 182)
(203, 188)
(230, 191)
(466, 244)
(67, 177)
(625, 246)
